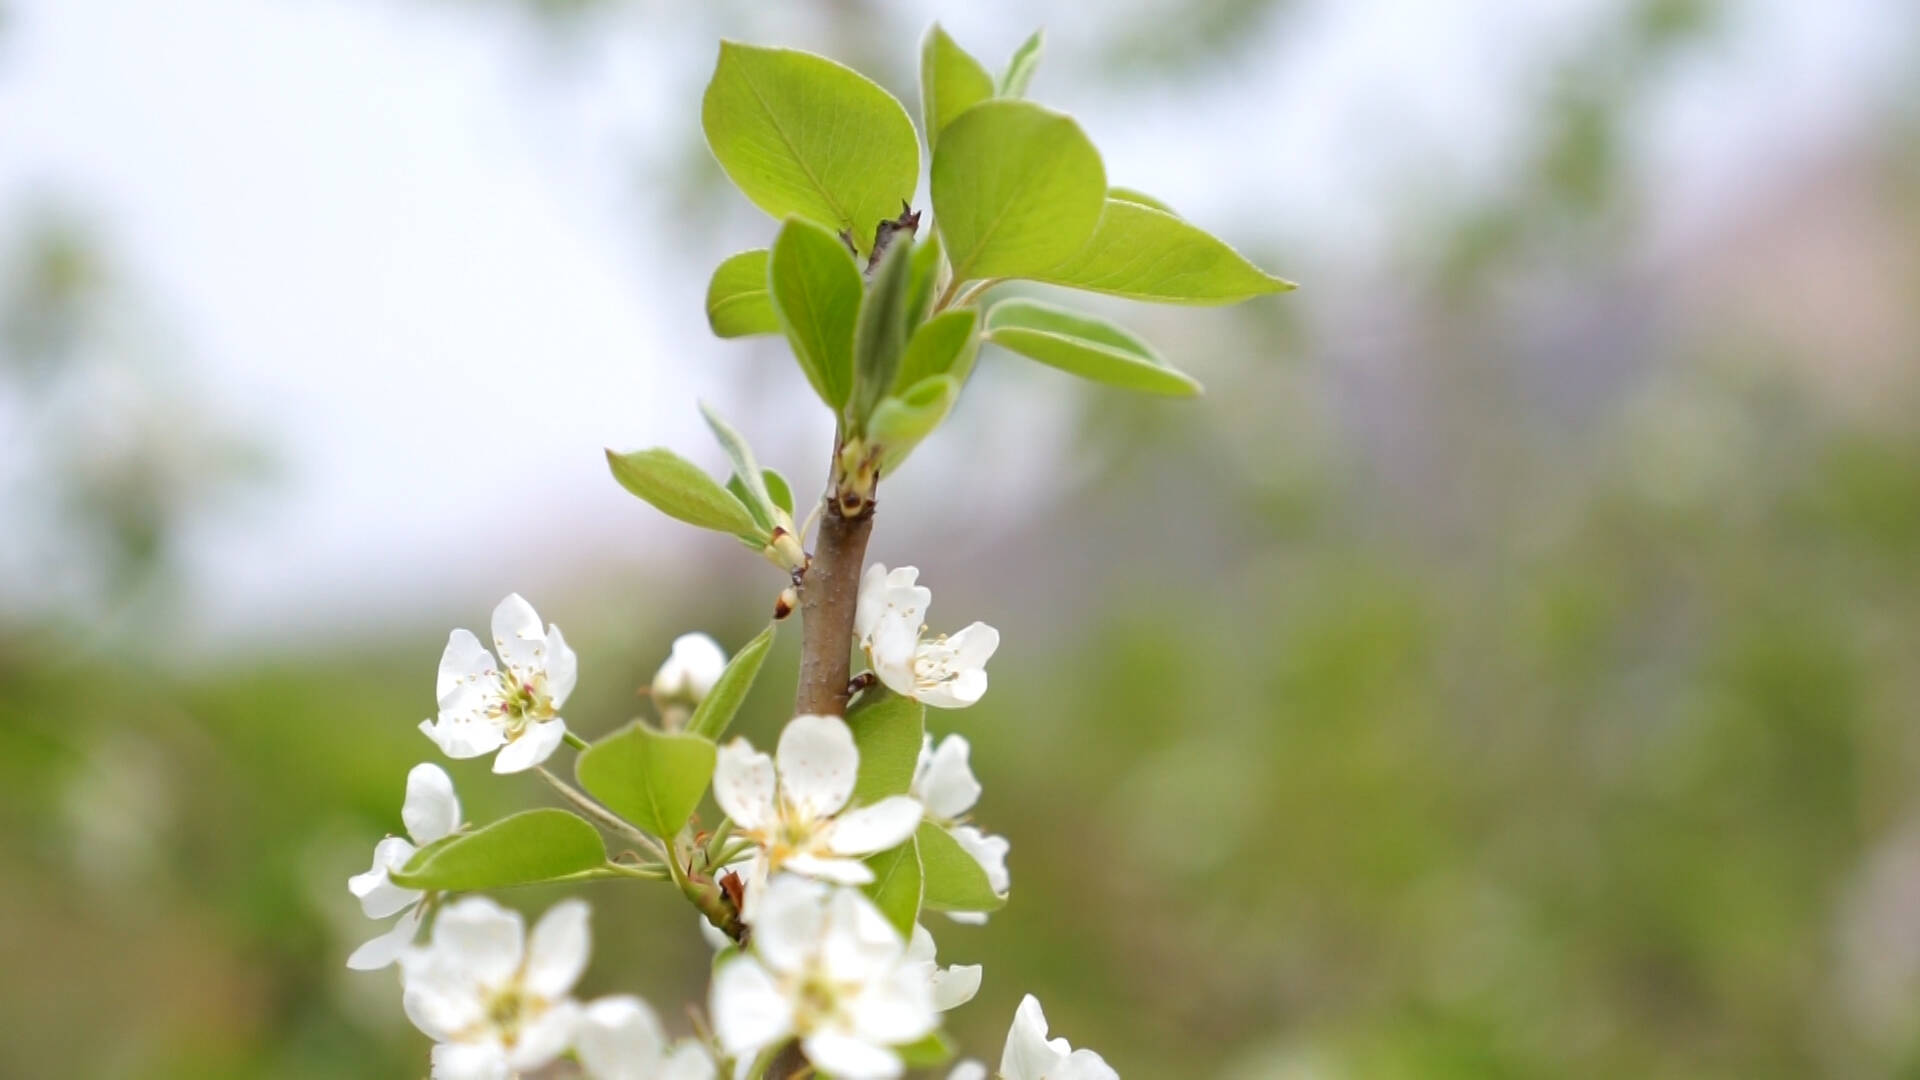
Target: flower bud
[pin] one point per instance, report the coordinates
(783, 606)
(691, 669)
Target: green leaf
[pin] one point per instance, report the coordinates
(1143, 253)
(745, 469)
(739, 491)
(887, 729)
(1086, 346)
(538, 845)
(900, 423)
(1139, 198)
(816, 292)
(680, 489)
(943, 345)
(923, 278)
(802, 135)
(1017, 189)
(652, 778)
(737, 301)
(881, 335)
(895, 888)
(951, 82)
(711, 717)
(1020, 69)
(927, 1052)
(952, 879)
(777, 490)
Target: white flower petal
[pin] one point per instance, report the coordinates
(826, 868)
(955, 986)
(1084, 1065)
(895, 1010)
(559, 949)
(545, 1037)
(885, 825)
(847, 1058)
(518, 639)
(470, 1061)
(791, 918)
(461, 738)
(379, 896)
(431, 810)
(968, 1070)
(858, 944)
(382, 951)
(968, 918)
(749, 1011)
(944, 780)
(989, 851)
(973, 645)
(691, 669)
(563, 667)
(464, 663)
(535, 745)
(964, 689)
(818, 764)
(1028, 1054)
(920, 947)
(485, 939)
(872, 601)
(439, 998)
(688, 1061)
(619, 1038)
(743, 785)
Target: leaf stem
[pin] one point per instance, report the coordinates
(574, 741)
(606, 818)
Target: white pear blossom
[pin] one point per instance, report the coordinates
(948, 672)
(968, 1070)
(825, 967)
(690, 670)
(511, 705)
(791, 806)
(952, 986)
(619, 1038)
(494, 1000)
(1030, 1055)
(944, 783)
(430, 812)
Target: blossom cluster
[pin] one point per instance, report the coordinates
(807, 956)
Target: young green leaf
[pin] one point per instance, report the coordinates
(943, 345)
(738, 490)
(923, 278)
(680, 489)
(896, 887)
(929, 1051)
(816, 291)
(529, 847)
(1086, 346)
(737, 301)
(652, 778)
(953, 880)
(1017, 189)
(715, 711)
(900, 423)
(951, 82)
(802, 135)
(1020, 69)
(887, 729)
(777, 490)
(881, 335)
(745, 470)
(1139, 198)
(1147, 254)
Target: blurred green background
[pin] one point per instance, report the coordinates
(1511, 667)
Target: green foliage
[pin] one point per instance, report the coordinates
(1020, 69)
(1017, 189)
(680, 489)
(1089, 347)
(652, 778)
(881, 335)
(896, 885)
(737, 300)
(943, 345)
(527, 848)
(951, 82)
(1139, 198)
(901, 422)
(816, 292)
(929, 259)
(801, 135)
(887, 729)
(715, 711)
(953, 880)
(751, 489)
(778, 490)
(1143, 253)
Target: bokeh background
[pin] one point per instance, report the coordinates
(1510, 668)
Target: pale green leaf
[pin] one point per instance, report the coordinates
(1017, 189)
(896, 887)
(951, 82)
(1089, 347)
(745, 470)
(652, 778)
(777, 490)
(1143, 253)
(739, 491)
(802, 135)
(816, 291)
(924, 278)
(943, 345)
(952, 879)
(900, 423)
(529, 847)
(930, 1050)
(737, 301)
(1139, 198)
(1020, 69)
(887, 729)
(881, 335)
(715, 711)
(680, 489)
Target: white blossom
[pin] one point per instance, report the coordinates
(619, 1038)
(511, 704)
(430, 812)
(968, 1070)
(495, 1000)
(826, 967)
(948, 672)
(690, 670)
(952, 986)
(791, 806)
(1030, 1055)
(944, 783)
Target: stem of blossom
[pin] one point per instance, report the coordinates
(607, 818)
(574, 741)
(707, 898)
(830, 592)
